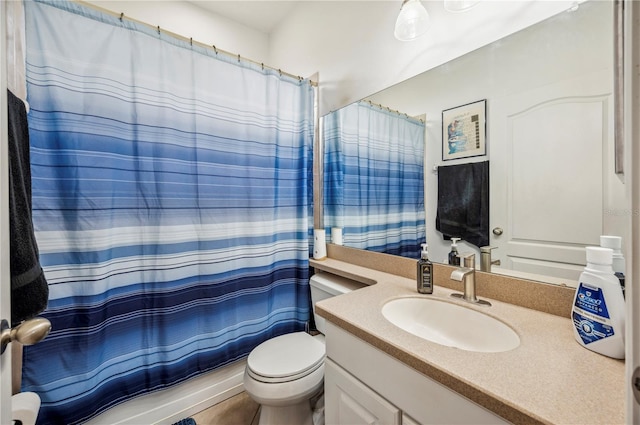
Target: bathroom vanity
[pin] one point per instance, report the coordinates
(363, 383)
(374, 369)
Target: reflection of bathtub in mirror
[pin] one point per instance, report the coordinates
(570, 57)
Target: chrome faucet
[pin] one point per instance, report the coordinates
(467, 275)
(485, 258)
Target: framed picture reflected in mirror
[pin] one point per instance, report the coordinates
(464, 131)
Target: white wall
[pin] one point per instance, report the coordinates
(190, 21)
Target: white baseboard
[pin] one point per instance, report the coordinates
(169, 406)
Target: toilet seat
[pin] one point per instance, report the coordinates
(286, 358)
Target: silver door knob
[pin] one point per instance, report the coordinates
(497, 231)
(28, 332)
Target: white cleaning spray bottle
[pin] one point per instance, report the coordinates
(618, 264)
(598, 310)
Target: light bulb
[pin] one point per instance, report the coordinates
(412, 22)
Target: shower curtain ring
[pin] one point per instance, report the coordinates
(215, 49)
(121, 16)
(158, 29)
(238, 58)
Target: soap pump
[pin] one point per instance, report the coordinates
(425, 272)
(454, 260)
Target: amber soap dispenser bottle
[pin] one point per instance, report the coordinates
(425, 272)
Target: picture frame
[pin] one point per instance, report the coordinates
(464, 131)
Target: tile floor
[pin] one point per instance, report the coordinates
(237, 410)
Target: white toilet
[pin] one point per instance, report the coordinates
(285, 373)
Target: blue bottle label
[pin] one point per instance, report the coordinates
(590, 315)
(591, 300)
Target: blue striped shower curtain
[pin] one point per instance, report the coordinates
(374, 185)
(171, 200)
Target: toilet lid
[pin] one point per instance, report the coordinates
(286, 357)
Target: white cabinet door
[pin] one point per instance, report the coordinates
(349, 402)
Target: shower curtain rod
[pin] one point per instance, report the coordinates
(392, 110)
(191, 41)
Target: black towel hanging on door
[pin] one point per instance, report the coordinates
(29, 289)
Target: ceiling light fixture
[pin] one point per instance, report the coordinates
(459, 5)
(412, 22)
(575, 6)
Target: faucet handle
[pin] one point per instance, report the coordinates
(460, 273)
(470, 260)
(485, 258)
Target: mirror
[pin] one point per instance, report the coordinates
(549, 141)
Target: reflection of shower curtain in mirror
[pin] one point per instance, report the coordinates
(374, 186)
(171, 207)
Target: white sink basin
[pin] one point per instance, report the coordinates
(450, 324)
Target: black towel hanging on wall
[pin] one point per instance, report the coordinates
(463, 202)
(29, 289)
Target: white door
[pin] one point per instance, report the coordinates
(553, 185)
(5, 292)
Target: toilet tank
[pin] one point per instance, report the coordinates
(324, 285)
